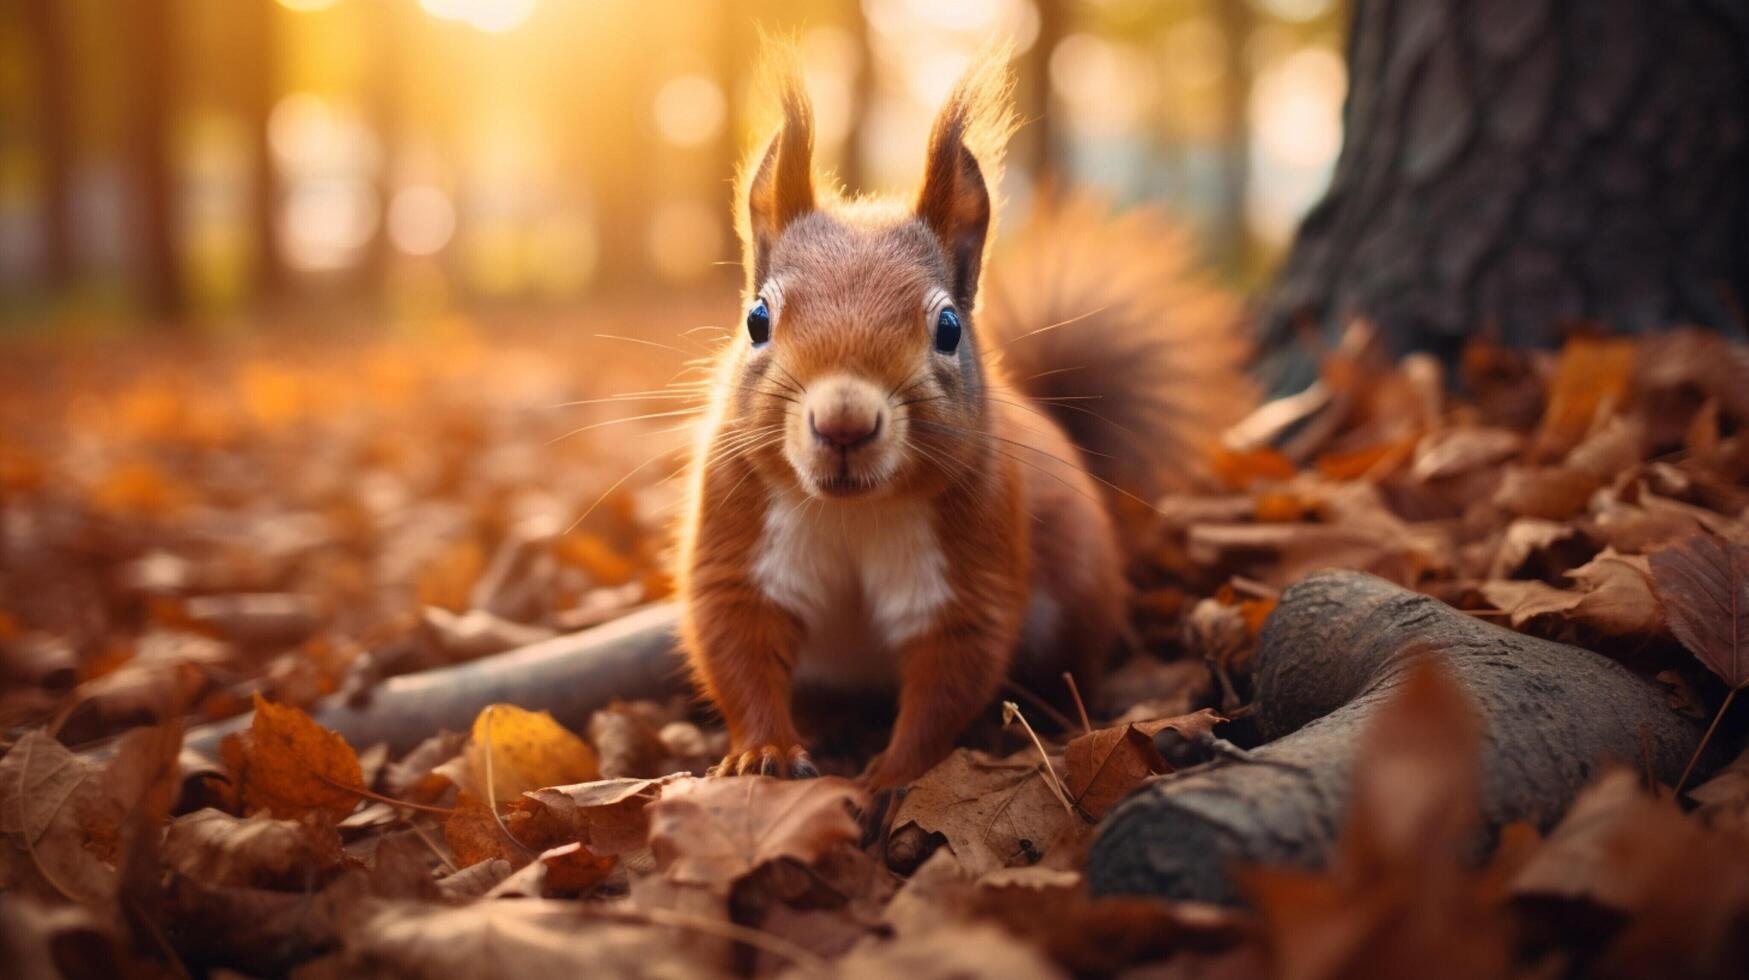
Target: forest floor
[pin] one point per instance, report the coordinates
(189, 530)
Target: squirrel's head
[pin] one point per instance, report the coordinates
(858, 369)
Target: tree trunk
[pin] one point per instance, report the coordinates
(262, 88)
(47, 23)
(1516, 165)
(153, 54)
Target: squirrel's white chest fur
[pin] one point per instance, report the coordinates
(863, 576)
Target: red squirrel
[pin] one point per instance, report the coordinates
(881, 498)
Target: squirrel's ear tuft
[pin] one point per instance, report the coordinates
(779, 187)
(964, 167)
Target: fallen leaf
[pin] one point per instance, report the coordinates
(288, 765)
(994, 813)
(1240, 468)
(628, 741)
(256, 852)
(1103, 766)
(1704, 584)
(1524, 601)
(474, 880)
(52, 803)
(474, 834)
(611, 816)
(949, 954)
(711, 832)
(1552, 492)
(511, 750)
(1456, 451)
(526, 938)
(1591, 376)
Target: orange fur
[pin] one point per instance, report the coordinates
(864, 505)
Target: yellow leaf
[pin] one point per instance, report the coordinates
(288, 765)
(513, 750)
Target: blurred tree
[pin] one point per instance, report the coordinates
(259, 37)
(1520, 164)
(151, 29)
(54, 121)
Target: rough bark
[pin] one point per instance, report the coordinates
(1516, 164)
(1332, 653)
(571, 676)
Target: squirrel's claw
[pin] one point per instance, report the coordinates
(770, 760)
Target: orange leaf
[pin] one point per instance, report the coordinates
(1241, 468)
(288, 765)
(1592, 374)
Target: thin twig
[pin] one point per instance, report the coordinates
(1080, 706)
(1704, 739)
(369, 794)
(1010, 715)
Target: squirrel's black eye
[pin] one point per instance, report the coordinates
(947, 331)
(759, 324)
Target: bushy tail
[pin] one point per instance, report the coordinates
(1107, 323)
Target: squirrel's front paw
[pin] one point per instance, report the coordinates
(771, 760)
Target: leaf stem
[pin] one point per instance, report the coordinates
(1080, 706)
(1011, 713)
(1708, 737)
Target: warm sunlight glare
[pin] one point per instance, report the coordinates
(491, 16)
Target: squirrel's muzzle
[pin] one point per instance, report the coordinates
(844, 413)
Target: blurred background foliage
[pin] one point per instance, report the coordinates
(220, 162)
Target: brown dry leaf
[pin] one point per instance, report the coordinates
(1555, 493)
(476, 880)
(288, 765)
(1457, 451)
(711, 832)
(609, 815)
(1618, 595)
(414, 778)
(1725, 797)
(52, 941)
(1591, 376)
(53, 804)
(628, 741)
(1608, 848)
(1102, 767)
(994, 813)
(949, 954)
(1704, 584)
(216, 848)
(475, 835)
(1616, 447)
(1525, 538)
(526, 938)
(1614, 595)
(524, 750)
(1524, 601)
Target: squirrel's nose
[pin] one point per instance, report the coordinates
(845, 429)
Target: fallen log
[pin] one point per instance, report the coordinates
(570, 676)
(1334, 650)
